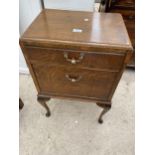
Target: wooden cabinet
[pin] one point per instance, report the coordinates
(77, 55)
(127, 9)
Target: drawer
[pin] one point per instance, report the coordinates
(68, 81)
(41, 56)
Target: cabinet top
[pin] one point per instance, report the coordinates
(78, 28)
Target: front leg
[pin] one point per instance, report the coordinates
(42, 101)
(106, 108)
(21, 104)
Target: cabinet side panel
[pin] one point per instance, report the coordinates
(32, 72)
(119, 75)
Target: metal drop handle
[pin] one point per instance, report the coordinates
(73, 60)
(73, 78)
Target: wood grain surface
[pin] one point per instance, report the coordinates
(85, 64)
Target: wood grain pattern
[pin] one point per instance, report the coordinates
(95, 85)
(127, 9)
(105, 61)
(101, 29)
(86, 65)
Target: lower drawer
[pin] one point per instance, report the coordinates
(74, 82)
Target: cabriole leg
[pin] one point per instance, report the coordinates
(42, 101)
(106, 108)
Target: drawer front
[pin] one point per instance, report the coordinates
(46, 57)
(74, 82)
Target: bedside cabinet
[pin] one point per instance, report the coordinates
(77, 55)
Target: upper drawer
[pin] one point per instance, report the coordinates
(41, 56)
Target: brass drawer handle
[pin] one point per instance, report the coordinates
(73, 60)
(73, 78)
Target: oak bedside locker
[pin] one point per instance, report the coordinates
(77, 55)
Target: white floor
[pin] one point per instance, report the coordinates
(72, 128)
